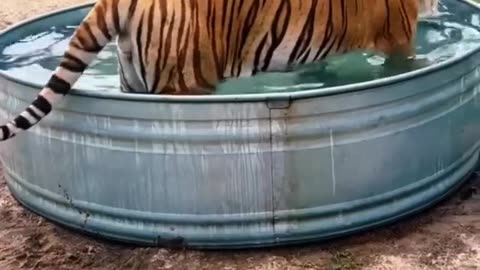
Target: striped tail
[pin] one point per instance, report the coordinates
(88, 40)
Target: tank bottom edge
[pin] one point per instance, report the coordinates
(443, 188)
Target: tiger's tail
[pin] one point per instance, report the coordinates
(98, 28)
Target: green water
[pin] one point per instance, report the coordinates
(453, 33)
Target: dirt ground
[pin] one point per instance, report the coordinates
(445, 237)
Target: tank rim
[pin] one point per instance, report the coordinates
(311, 93)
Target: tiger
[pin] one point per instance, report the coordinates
(187, 47)
(429, 8)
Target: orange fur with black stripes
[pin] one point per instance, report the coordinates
(188, 46)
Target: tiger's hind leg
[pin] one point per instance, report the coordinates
(129, 81)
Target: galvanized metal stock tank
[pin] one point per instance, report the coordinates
(243, 171)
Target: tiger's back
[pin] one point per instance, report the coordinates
(189, 46)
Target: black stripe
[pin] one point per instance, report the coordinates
(219, 60)
(93, 40)
(149, 34)
(235, 48)
(73, 63)
(22, 122)
(307, 47)
(278, 31)
(224, 14)
(42, 104)
(197, 64)
(32, 113)
(209, 16)
(58, 85)
(181, 28)
(102, 23)
(163, 21)
(305, 37)
(132, 8)
(258, 55)
(181, 60)
(5, 131)
(163, 41)
(245, 33)
(230, 33)
(344, 25)
(167, 42)
(305, 56)
(328, 34)
(248, 24)
(405, 20)
(386, 28)
(185, 30)
(116, 19)
(329, 48)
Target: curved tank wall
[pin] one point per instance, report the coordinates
(268, 170)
